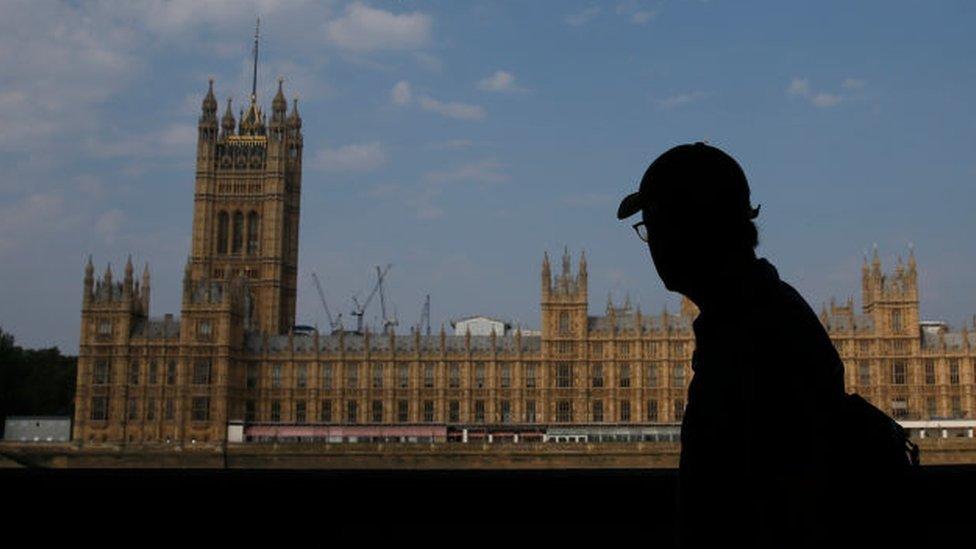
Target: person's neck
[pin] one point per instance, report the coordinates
(723, 285)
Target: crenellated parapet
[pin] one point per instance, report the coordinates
(124, 295)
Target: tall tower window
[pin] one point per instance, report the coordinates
(652, 410)
(864, 373)
(564, 411)
(896, 321)
(563, 322)
(564, 375)
(678, 376)
(624, 375)
(99, 408)
(652, 376)
(597, 375)
(624, 410)
(597, 411)
(898, 373)
(238, 233)
(252, 232)
(377, 416)
(223, 222)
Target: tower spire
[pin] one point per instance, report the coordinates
(254, 79)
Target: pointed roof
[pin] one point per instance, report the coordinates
(279, 104)
(227, 122)
(295, 119)
(209, 101)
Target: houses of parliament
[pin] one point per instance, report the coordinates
(233, 368)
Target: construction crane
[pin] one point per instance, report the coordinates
(425, 317)
(359, 310)
(388, 324)
(334, 324)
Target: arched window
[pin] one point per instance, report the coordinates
(222, 222)
(252, 232)
(238, 232)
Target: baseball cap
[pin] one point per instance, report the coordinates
(693, 177)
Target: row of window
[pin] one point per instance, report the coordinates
(563, 411)
(236, 232)
(901, 410)
(899, 373)
(598, 349)
(564, 376)
(199, 409)
(102, 373)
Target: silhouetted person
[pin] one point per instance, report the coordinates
(754, 440)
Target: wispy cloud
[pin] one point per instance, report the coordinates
(635, 12)
(582, 17)
(485, 171)
(423, 199)
(679, 99)
(365, 29)
(459, 111)
(500, 81)
(800, 87)
(358, 157)
(402, 95)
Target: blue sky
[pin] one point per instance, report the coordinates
(459, 140)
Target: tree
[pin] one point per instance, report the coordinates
(35, 381)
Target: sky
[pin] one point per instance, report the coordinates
(458, 141)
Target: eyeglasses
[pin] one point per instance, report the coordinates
(641, 229)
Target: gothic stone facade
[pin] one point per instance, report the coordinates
(233, 356)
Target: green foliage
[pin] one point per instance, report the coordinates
(36, 382)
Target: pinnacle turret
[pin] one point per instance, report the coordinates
(279, 105)
(294, 119)
(209, 106)
(228, 123)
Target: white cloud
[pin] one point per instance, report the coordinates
(500, 81)
(401, 94)
(173, 140)
(582, 17)
(351, 158)
(423, 204)
(364, 29)
(459, 111)
(824, 100)
(641, 17)
(800, 87)
(635, 12)
(680, 99)
(485, 171)
(429, 61)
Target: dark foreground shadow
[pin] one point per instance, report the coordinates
(440, 507)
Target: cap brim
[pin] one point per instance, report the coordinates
(630, 205)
